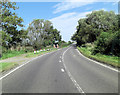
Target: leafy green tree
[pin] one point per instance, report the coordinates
(103, 20)
(55, 36)
(69, 42)
(102, 29)
(10, 23)
(89, 28)
(41, 33)
(108, 43)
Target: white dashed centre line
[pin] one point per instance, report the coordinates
(60, 61)
(62, 70)
(74, 55)
(71, 77)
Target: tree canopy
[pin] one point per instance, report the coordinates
(42, 33)
(10, 22)
(102, 29)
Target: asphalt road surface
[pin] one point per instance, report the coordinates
(62, 71)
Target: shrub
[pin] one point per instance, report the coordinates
(108, 43)
(116, 44)
(29, 49)
(4, 50)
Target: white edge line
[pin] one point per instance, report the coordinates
(24, 64)
(71, 77)
(98, 62)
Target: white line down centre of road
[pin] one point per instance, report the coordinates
(60, 61)
(74, 55)
(71, 77)
(60, 57)
(62, 70)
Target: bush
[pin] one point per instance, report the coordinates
(29, 49)
(116, 44)
(69, 42)
(101, 43)
(4, 50)
(108, 43)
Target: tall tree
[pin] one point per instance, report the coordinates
(102, 29)
(89, 29)
(41, 33)
(10, 23)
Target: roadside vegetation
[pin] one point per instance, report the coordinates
(29, 51)
(110, 60)
(9, 54)
(98, 36)
(16, 41)
(5, 66)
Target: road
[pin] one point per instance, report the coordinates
(62, 71)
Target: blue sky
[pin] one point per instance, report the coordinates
(63, 15)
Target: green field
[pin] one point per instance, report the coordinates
(111, 60)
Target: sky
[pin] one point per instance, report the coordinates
(63, 15)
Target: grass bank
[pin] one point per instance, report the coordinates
(107, 59)
(5, 66)
(12, 54)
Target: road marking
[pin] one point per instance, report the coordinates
(62, 70)
(60, 61)
(24, 64)
(60, 57)
(99, 63)
(71, 77)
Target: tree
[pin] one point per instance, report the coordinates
(108, 43)
(10, 22)
(41, 33)
(90, 28)
(102, 29)
(69, 42)
(103, 20)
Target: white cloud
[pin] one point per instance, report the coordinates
(115, 3)
(71, 4)
(88, 8)
(67, 23)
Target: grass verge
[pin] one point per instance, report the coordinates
(107, 59)
(12, 54)
(31, 54)
(6, 66)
